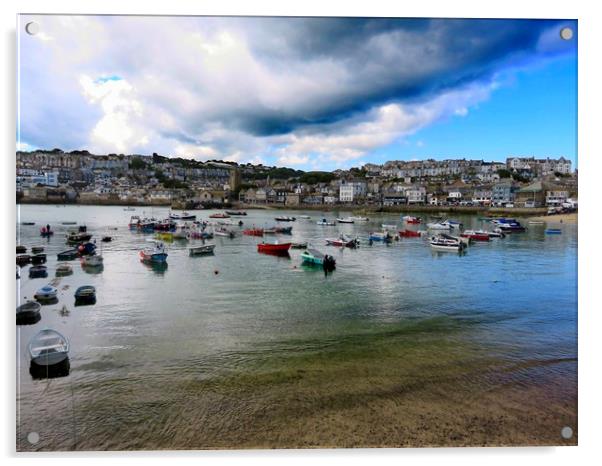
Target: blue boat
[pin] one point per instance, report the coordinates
(553, 231)
(155, 255)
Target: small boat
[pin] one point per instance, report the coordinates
(497, 233)
(299, 245)
(453, 224)
(68, 255)
(315, 257)
(92, 261)
(21, 249)
(38, 271)
(553, 231)
(380, 236)
(411, 220)
(28, 223)
(182, 216)
(269, 231)
(224, 232)
(274, 248)
(475, 235)
(201, 250)
(345, 220)
(312, 256)
(438, 226)
(388, 226)
(441, 243)
(325, 223)
(343, 241)
(46, 233)
(511, 227)
(62, 270)
(68, 223)
(23, 259)
(219, 215)
(86, 249)
(48, 348)
(129, 209)
(410, 234)
(536, 222)
(165, 225)
(85, 295)
(360, 219)
(235, 213)
(306, 217)
(46, 294)
(107, 239)
(134, 222)
(155, 254)
(253, 232)
(37, 259)
(284, 218)
(28, 313)
(284, 230)
(78, 237)
(37, 249)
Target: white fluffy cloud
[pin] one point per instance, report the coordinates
(296, 91)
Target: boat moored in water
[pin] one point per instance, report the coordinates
(38, 271)
(23, 259)
(345, 220)
(236, 213)
(475, 235)
(46, 294)
(384, 236)
(48, 348)
(274, 248)
(67, 255)
(253, 232)
(62, 270)
(154, 254)
(21, 249)
(553, 231)
(325, 223)
(85, 294)
(28, 313)
(314, 257)
(410, 234)
(92, 261)
(438, 226)
(447, 243)
(219, 215)
(411, 220)
(343, 241)
(284, 218)
(201, 250)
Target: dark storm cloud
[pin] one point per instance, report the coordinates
(386, 60)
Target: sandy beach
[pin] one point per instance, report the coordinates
(558, 218)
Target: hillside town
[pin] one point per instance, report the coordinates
(54, 176)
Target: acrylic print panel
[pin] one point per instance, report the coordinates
(262, 232)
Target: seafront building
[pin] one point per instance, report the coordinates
(78, 176)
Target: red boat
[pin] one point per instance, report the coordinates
(411, 220)
(253, 232)
(218, 215)
(476, 235)
(271, 248)
(409, 234)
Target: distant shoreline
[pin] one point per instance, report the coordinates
(538, 213)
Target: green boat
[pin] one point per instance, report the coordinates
(312, 256)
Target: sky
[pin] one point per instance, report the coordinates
(306, 93)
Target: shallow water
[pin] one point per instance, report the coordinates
(399, 346)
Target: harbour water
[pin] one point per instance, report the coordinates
(399, 346)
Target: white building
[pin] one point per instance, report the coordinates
(349, 191)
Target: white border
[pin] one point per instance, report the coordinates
(590, 169)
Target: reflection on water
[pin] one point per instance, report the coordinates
(399, 346)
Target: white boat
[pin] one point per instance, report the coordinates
(304, 216)
(183, 230)
(438, 226)
(452, 224)
(536, 222)
(325, 222)
(224, 232)
(154, 254)
(360, 219)
(200, 250)
(441, 243)
(48, 347)
(46, 293)
(345, 220)
(388, 226)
